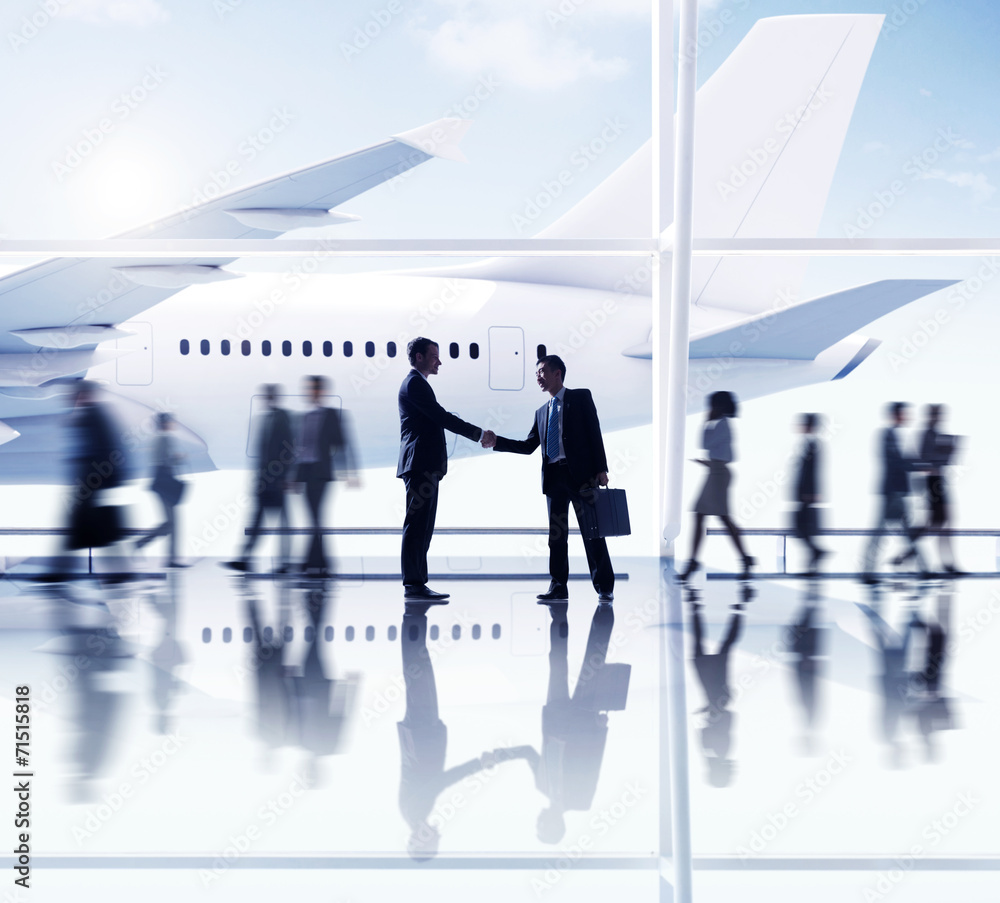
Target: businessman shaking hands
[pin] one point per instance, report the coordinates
(423, 461)
(573, 465)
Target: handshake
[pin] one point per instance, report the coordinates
(488, 439)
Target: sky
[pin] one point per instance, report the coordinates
(117, 112)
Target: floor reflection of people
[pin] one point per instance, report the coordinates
(574, 728)
(932, 709)
(423, 742)
(803, 638)
(268, 667)
(168, 655)
(321, 705)
(716, 734)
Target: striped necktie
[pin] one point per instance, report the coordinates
(552, 431)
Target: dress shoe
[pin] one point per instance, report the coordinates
(605, 598)
(239, 565)
(748, 562)
(870, 580)
(423, 592)
(177, 564)
(557, 592)
(686, 574)
(952, 571)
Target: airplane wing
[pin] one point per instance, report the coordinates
(801, 332)
(62, 304)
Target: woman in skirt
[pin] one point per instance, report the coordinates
(714, 499)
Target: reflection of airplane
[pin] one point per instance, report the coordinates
(771, 123)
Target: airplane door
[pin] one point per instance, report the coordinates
(136, 367)
(506, 358)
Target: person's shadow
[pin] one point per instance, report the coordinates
(574, 727)
(423, 742)
(716, 734)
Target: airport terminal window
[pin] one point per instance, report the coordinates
(265, 348)
(225, 346)
(328, 349)
(286, 348)
(474, 351)
(205, 346)
(369, 349)
(348, 349)
(307, 349)
(540, 352)
(245, 348)
(390, 349)
(185, 346)
(453, 350)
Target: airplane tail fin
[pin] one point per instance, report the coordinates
(770, 124)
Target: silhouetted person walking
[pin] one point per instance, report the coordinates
(895, 489)
(807, 491)
(936, 452)
(275, 463)
(167, 487)
(717, 440)
(322, 436)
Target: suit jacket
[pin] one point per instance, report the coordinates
(332, 440)
(422, 422)
(275, 451)
(895, 468)
(582, 438)
(807, 484)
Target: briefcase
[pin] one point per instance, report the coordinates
(606, 515)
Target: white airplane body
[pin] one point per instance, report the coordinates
(770, 128)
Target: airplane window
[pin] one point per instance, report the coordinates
(453, 349)
(349, 634)
(369, 349)
(328, 633)
(540, 352)
(307, 349)
(348, 349)
(185, 346)
(496, 631)
(369, 633)
(268, 635)
(310, 633)
(328, 349)
(477, 631)
(392, 633)
(227, 635)
(390, 349)
(413, 632)
(434, 631)
(265, 348)
(225, 346)
(247, 634)
(205, 347)
(206, 635)
(288, 633)
(245, 348)
(456, 632)
(474, 351)
(286, 348)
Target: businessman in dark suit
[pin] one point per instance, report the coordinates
(573, 465)
(275, 462)
(807, 491)
(322, 435)
(895, 490)
(423, 461)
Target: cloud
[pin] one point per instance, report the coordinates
(120, 12)
(982, 188)
(875, 147)
(520, 50)
(990, 157)
(925, 93)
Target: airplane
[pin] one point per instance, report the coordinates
(199, 340)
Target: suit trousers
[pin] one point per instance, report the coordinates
(315, 489)
(560, 494)
(274, 502)
(418, 525)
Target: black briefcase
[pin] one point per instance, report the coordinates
(606, 515)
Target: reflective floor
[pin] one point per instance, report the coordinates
(240, 737)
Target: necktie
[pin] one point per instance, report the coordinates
(552, 432)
